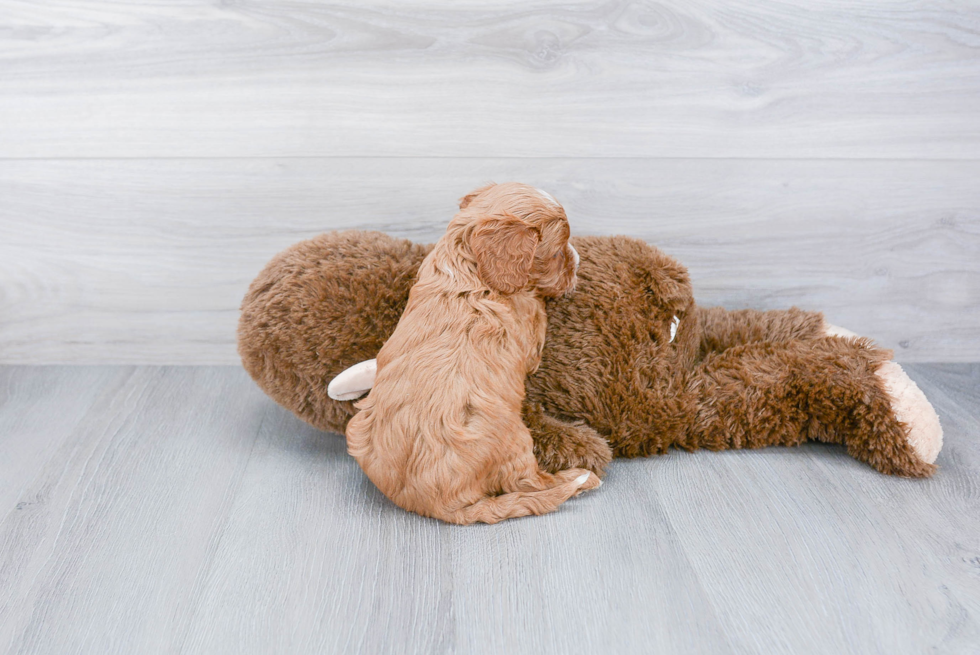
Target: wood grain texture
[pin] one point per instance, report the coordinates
(146, 261)
(178, 510)
(108, 534)
(678, 78)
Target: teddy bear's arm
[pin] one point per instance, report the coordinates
(560, 445)
(722, 329)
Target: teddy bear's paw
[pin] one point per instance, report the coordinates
(592, 452)
(354, 382)
(911, 407)
(836, 331)
(559, 445)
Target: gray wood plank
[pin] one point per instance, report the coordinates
(329, 566)
(103, 545)
(349, 572)
(186, 513)
(30, 433)
(811, 539)
(146, 261)
(782, 78)
(584, 582)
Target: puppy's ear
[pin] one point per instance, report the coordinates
(504, 251)
(465, 201)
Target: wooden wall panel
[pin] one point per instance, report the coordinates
(678, 78)
(154, 155)
(133, 261)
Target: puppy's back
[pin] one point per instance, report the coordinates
(446, 397)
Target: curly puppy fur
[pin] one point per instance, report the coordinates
(440, 433)
(609, 374)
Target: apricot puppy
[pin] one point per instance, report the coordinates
(440, 433)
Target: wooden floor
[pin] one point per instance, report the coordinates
(177, 509)
(155, 155)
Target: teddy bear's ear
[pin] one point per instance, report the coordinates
(504, 250)
(465, 201)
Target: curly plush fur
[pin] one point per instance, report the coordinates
(611, 379)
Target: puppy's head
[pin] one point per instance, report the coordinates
(518, 235)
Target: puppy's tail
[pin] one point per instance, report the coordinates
(524, 503)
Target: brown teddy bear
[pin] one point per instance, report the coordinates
(631, 365)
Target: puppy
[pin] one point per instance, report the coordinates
(440, 433)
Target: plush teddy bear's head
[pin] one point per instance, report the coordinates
(631, 293)
(342, 293)
(629, 326)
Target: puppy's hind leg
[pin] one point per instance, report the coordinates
(560, 487)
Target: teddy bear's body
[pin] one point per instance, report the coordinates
(631, 365)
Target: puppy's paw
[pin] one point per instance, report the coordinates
(585, 480)
(590, 481)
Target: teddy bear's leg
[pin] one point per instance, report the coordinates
(925, 433)
(829, 330)
(827, 389)
(559, 445)
(722, 329)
